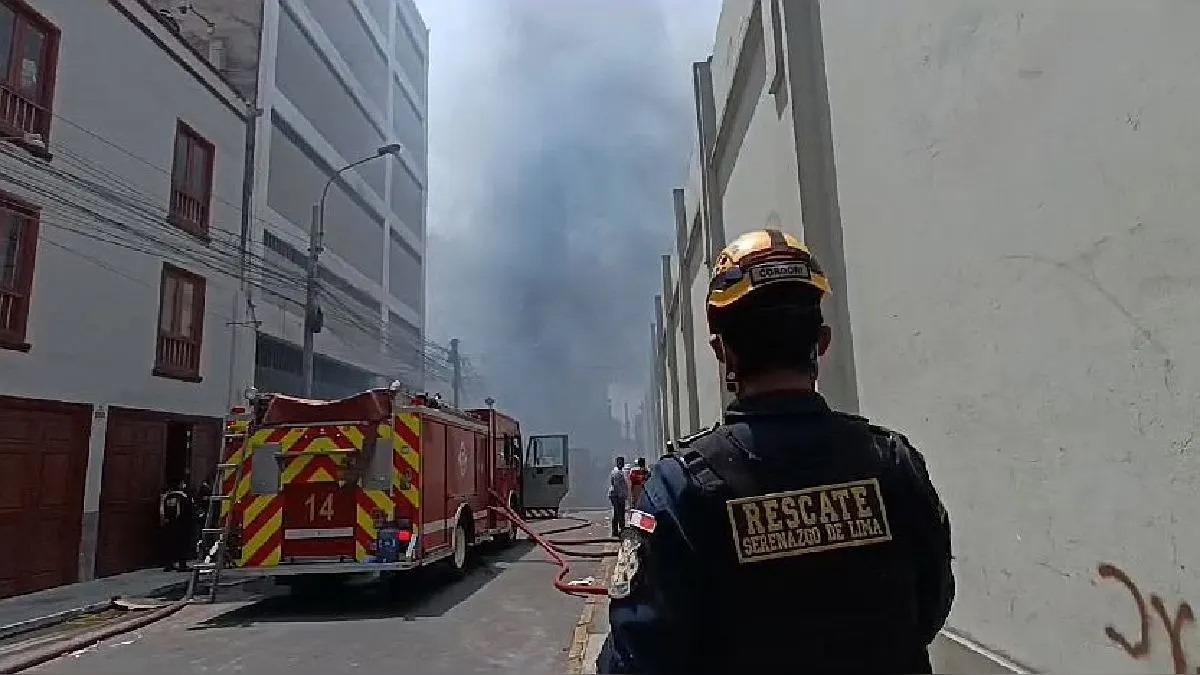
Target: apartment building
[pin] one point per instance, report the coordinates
(123, 204)
(334, 80)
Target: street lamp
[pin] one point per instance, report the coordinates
(316, 236)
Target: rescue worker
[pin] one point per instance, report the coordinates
(668, 452)
(637, 480)
(175, 517)
(203, 503)
(791, 537)
(618, 494)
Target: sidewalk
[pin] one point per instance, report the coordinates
(592, 628)
(27, 609)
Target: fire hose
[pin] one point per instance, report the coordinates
(559, 556)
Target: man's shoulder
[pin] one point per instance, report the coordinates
(690, 440)
(879, 431)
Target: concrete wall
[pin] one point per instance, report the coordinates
(1017, 182)
(747, 124)
(227, 33)
(1032, 160)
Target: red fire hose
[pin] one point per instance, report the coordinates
(551, 548)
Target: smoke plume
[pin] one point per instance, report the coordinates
(557, 130)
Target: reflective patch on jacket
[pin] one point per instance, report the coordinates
(628, 564)
(812, 520)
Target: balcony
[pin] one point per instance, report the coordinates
(188, 213)
(11, 314)
(21, 115)
(177, 357)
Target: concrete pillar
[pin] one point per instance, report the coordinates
(706, 129)
(93, 480)
(671, 330)
(664, 391)
(818, 190)
(688, 270)
(711, 202)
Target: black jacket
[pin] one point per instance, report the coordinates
(790, 539)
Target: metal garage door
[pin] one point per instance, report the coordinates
(43, 460)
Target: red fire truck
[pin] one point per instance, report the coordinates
(379, 482)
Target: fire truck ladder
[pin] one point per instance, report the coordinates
(215, 559)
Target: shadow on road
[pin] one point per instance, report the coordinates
(419, 594)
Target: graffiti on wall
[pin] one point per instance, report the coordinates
(1173, 623)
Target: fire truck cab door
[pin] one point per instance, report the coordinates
(545, 472)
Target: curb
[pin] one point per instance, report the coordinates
(29, 625)
(84, 640)
(579, 639)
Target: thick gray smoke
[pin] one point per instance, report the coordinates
(557, 132)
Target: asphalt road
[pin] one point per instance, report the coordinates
(504, 617)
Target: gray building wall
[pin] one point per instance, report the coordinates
(93, 321)
(104, 197)
(1017, 182)
(1016, 263)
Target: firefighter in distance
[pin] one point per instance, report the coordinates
(790, 537)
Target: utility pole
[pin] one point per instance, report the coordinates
(313, 317)
(456, 364)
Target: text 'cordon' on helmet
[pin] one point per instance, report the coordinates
(763, 258)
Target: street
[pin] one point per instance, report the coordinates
(504, 616)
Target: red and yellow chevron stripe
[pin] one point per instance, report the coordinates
(369, 506)
(261, 516)
(262, 531)
(406, 461)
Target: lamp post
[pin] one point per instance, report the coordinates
(316, 235)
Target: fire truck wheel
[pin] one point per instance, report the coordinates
(460, 555)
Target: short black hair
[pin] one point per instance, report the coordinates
(777, 329)
(620, 459)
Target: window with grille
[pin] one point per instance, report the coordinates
(180, 324)
(18, 248)
(191, 181)
(28, 56)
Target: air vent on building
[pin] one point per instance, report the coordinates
(216, 53)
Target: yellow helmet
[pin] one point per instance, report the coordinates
(763, 258)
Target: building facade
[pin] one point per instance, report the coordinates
(999, 192)
(123, 203)
(334, 80)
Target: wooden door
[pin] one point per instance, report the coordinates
(43, 461)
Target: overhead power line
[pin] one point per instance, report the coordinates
(106, 207)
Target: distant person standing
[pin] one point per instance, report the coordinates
(176, 514)
(637, 481)
(618, 495)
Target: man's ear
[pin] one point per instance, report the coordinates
(824, 337)
(718, 347)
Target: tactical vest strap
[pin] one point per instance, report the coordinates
(718, 463)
